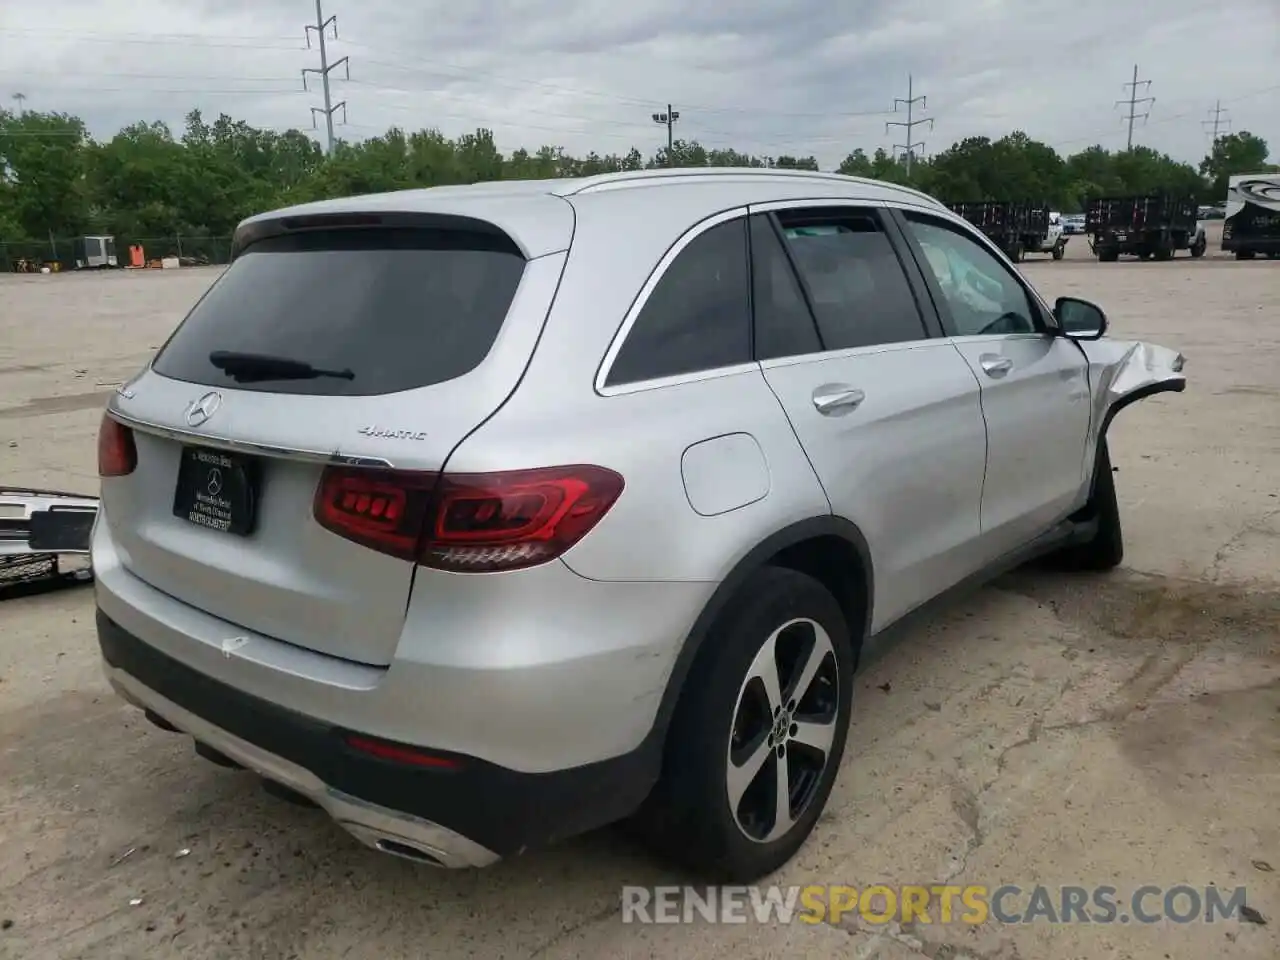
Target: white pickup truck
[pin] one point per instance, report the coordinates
(1054, 240)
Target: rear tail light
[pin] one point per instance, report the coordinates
(479, 523)
(117, 454)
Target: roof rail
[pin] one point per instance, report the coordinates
(641, 177)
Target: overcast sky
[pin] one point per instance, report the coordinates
(792, 76)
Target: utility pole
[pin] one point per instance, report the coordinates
(323, 72)
(1217, 120)
(669, 118)
(1133, 102)
(911, 123)
(21, 99)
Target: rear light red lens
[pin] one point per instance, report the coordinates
(399, 753)
(117, 453)
(381, 509)
(467, 522)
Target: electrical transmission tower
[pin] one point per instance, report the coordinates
(1218, 120)
(1133, 102)
(911, 123)
(669, 119)
(323, 72)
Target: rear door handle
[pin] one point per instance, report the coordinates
(994, 365)
(836, 399)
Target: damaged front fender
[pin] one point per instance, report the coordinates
(1122, 372)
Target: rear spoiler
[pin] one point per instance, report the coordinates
(257, 229)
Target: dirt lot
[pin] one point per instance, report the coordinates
(1120, 730)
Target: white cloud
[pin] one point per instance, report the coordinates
(804, 77)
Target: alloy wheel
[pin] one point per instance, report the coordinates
(784, 725)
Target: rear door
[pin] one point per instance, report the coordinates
(887, 413)
(414, 336)
(1035, 385)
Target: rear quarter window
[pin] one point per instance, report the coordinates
(400, 308)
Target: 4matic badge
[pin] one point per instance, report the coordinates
(385, 433)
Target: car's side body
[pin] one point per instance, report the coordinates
(892, 471)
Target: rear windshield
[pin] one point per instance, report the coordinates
(398, 308)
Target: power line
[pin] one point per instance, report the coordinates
(325, 69)
(669, 119)
(194, 92)
(1102, 134)
(1217, 120)
(910, 123)
(1133, 102)
(449, 69)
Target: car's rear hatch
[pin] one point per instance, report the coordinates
(415, 331)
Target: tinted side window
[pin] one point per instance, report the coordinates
(784, 325)
(981, 295)
(859, 291)
(698, 316)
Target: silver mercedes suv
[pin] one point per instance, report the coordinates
(483, 516)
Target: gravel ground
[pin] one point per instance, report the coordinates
(1121, 729)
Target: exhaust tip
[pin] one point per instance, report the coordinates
(398, 849)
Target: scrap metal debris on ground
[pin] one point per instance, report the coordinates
(44, 540)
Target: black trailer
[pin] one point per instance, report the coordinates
(1154, 225)
(1015, 227)
(1252, 225)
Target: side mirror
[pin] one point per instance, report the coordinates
(1080, 319)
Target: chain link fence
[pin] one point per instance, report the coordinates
(59, 253)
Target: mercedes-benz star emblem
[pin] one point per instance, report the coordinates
(215, 482)
(201, 410)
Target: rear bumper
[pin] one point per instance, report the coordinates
(466, 816)
(1256, 244)
(535, 671)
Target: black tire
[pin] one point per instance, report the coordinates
(1016, 252)
(1144, 254)
(688, 818)
(1106, 255)
(1163, 252)
(1198, 248)
(1059, 251)
(1244, 254)
(1105, 549)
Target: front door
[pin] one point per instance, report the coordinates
(1035, 385)
(888, 414)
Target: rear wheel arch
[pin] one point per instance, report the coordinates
(830, 549)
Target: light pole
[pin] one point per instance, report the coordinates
(668, 119)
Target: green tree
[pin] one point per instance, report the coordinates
(1234, 154)
(856, 164)
(44, 157)
(146, 184)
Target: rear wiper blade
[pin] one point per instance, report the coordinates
(249, 367)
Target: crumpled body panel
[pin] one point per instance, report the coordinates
(1122, 372)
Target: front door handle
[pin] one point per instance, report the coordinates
(836, 399)
(994, 365)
